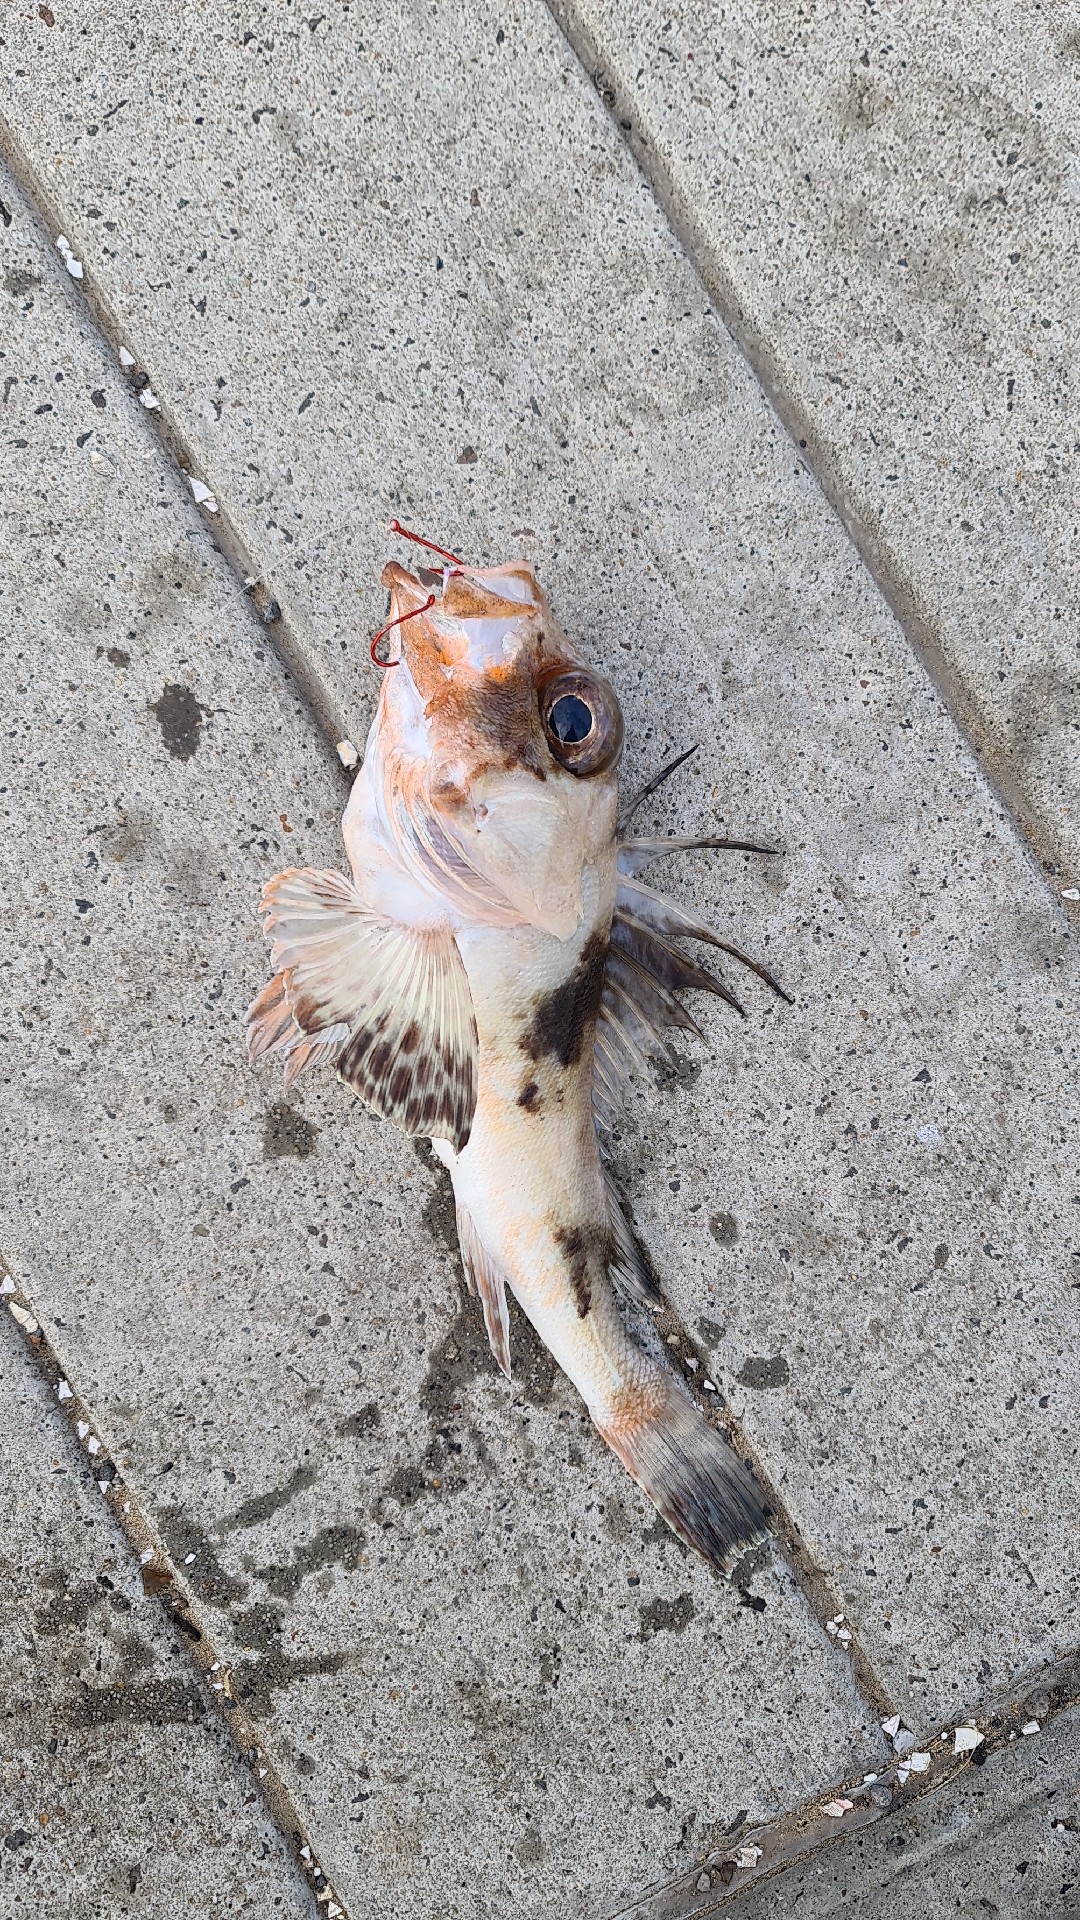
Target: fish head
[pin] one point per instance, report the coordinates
(517, 738)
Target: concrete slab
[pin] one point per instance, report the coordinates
(120, 1791)
(887, 203)
(434, 248)
(1000, 1840)
(488, 1674)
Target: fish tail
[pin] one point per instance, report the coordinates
(691, 1476)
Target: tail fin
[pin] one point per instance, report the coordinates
(694, 1479)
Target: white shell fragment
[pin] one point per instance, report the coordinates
(1031, 1726)
(347, 753)
(126, 359)
(149, 400)
(24, 1319)
(703, 1884)
(145, 1558)
(748, 1856)
(102, 466)
(918, 1762)
(201, 494)
(93, 1445)
(7, 1284)
(82, 1429)
(966, 1739)
(891, 1726)
(63, 1391)
(1070, 893)
(903, 1741)
(836, 1809)
(188, 1558)
(63, 248)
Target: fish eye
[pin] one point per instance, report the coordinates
(570, 720)
(582, 721)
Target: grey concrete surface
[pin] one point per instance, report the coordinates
(1001, 1841)
(120, 1792)
(887, 202)
(863, 1208)
(489, 1676)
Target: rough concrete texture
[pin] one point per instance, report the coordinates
(472, 313)
(1001, 1840)
(119, 1790)
(489, 1675)
(886, 200)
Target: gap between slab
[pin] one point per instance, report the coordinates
(1034, 833)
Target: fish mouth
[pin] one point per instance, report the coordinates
(456, 617)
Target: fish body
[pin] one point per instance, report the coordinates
(489, 975)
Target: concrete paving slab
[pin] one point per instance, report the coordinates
(1001, 1840)
(120, 1791)
(487, 1673)
(887, 203)
(878, 1190)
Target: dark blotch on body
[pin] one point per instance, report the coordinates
(563, 1019)
(529, 1097)
(180, 718)
(583, 1247)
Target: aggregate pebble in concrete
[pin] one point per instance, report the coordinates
(343, 307)
(119, 1789)
(488, 1673)
(887, 200)
(1001, 1840)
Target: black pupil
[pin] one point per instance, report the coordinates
(570, 720)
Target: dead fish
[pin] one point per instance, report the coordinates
(488, 976)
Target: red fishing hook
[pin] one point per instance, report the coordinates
(396, 527)
(391, 624)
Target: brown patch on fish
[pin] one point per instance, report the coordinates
(495, 711)
(564, 1018)
(529, 1097)
(585, 1249)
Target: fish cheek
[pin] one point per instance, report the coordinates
(563, 1019)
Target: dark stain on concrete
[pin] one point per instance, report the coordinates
(262, 1505)
(152, 1703)
(761, 1373)
(287, 1135)
(19, 281)
(180, 718)
(358, 1425)
(254, 1682)
(336, 1546)
(724, 1229)
(666, 1616)
(206, 1575)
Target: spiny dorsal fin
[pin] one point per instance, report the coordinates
(391, 1004)
(485, 1278)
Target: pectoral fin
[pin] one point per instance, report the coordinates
(485, 1278)
(389, 1003)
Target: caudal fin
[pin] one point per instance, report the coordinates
(692, 1476)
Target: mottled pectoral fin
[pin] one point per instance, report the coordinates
(390, 1003)
(486, 1278)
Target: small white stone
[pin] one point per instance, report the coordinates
(902, 1774)
(104, 1485)
(63, 1391)
(149, 400)
(82, 1429)
(918, 1762)
(127, 1506)
(748, 1856)
(347, 753)
(102, 466)
(903, 1741)
(262, 1773)
(868, 1779)
(710, 1386)
(703, 1885)
(216, 1668)
(7, 1284)
(305, 1853)
(145, 1558)
(1070, 893)
(1031, 1726)
(24, 1319)
(188, 1558)
(929, 1136)
(63, 244)
(73, 266)
(891, 1726)
(126, 359)
(966, 1739)
(93, 1445)
(843, 1634)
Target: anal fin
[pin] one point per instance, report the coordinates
(485, 1277)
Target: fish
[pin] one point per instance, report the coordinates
(491, 972)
